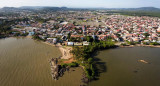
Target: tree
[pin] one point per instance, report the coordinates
(154, 43)
(89, 39)
(69, 36)
(90, 60)
(146, 34)
(74, 23)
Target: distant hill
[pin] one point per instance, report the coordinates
(41, 7)
(9, 8)
(31, 7)
(54, 8)
(48, 8)
(128, 9)
(149, 9)
(143, 9)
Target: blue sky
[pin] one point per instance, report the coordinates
(83, 3)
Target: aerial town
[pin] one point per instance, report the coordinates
(71, 27)
(64, 46)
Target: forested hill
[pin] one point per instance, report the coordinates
(66, 8)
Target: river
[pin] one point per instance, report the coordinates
(121, 67)
(24, 62)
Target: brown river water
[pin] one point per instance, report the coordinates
(24, 62)
(121, 67)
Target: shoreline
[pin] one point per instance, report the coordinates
(65, 51)
(131, 46)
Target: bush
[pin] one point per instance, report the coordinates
(90, 60)
(124, 44)
(24, 34)
(154, 43)
(73, 64)
(131, 43)
(64, 65)
(36, 37)
(90, 72)
(145, 43)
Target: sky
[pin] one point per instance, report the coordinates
(82, 3)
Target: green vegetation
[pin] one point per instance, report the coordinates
(6, 30)
(146, 34)
(36, 37)
(73, 64)
(89, 39)
(24, 34)
(137, 13)
(84, 57)
(75, 39)
(141, 13)
(146, 43)
(124, 44)
(17, 33)
(131, 43)
(154, 43)
(69, 36)
(41, 20)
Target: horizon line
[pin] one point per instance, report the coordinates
(77, 7)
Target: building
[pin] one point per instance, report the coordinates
(70, 43)
(85, 43)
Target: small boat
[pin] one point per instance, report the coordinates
(143, 61)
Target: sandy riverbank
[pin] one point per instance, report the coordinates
(63, 49)
(28, 36)
(66, 52)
